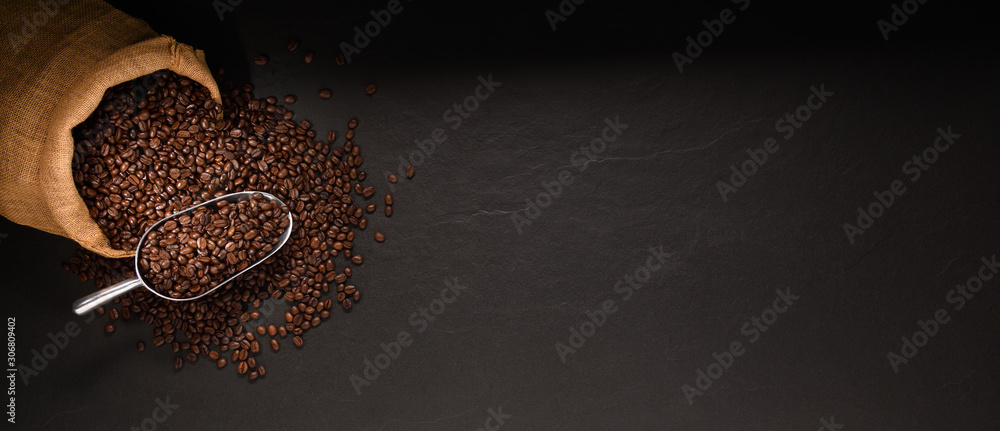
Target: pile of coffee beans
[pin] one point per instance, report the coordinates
(188, 256)
(160, 144)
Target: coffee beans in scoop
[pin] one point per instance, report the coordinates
(189, 256)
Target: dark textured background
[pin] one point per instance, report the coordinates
(655, 185)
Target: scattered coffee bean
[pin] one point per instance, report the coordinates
(274, 344)
(309, 56)
(242, 367)
(331, 136)
(393, 178)
(379, 236)
(370, 89)
(410, 170)
(140, 346)
(388, 210)
(260, 60)
(340, 59)
(109, 328)
(253, 375)
(293, 44)
(352, 123)
(297, 340)
(388, 199)
(220, 363)
(178, 363)
(290, 99)
(325, 93)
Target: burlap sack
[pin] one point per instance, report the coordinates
(57, 57)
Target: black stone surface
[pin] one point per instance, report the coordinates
(821, 361)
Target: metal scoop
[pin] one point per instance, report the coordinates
(86, 304)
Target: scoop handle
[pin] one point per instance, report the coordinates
(88, 303)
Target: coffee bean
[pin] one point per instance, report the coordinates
(178, 363)
(309, 56)
(271, 330)
(370, 89)
(388, 210)
(379, 236)
(357, 259)
(143, 156)
(388, 199)
(242, 368)
(113, 314)
(347, 304)
(297, 340)
(393, 178)
(370, 208)
(260, 60)
(109, 328)
(261, 330)
(274, 344)
(293, 44)
(340, 59)
(325, 93)
(290, 99)
(253, 375)
(410, 170)
(352, 123)
(220, 363)
(331, 136)
(140, 346)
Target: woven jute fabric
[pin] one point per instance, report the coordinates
(57, 58)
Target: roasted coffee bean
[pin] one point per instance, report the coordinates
(140, 346)
(260, 370)
(178, 363)
(297, 340)
(253, 375)
(113, 314)
(274, 344)
(370, 208)
(220, 363)
(357, 259)
(388, 210)
(379, 236)
(347, 304)
(109, 328)
(370, 89)
(290, 99)
(309, 56)
(393, 178)
(388, 199)
(144, 155)
(325, 93)
(331, 136)
(271, 330)
(352, 123)
(260, 60)
(242, 367)
(340, 59)
(293, 44)
(410, 170)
